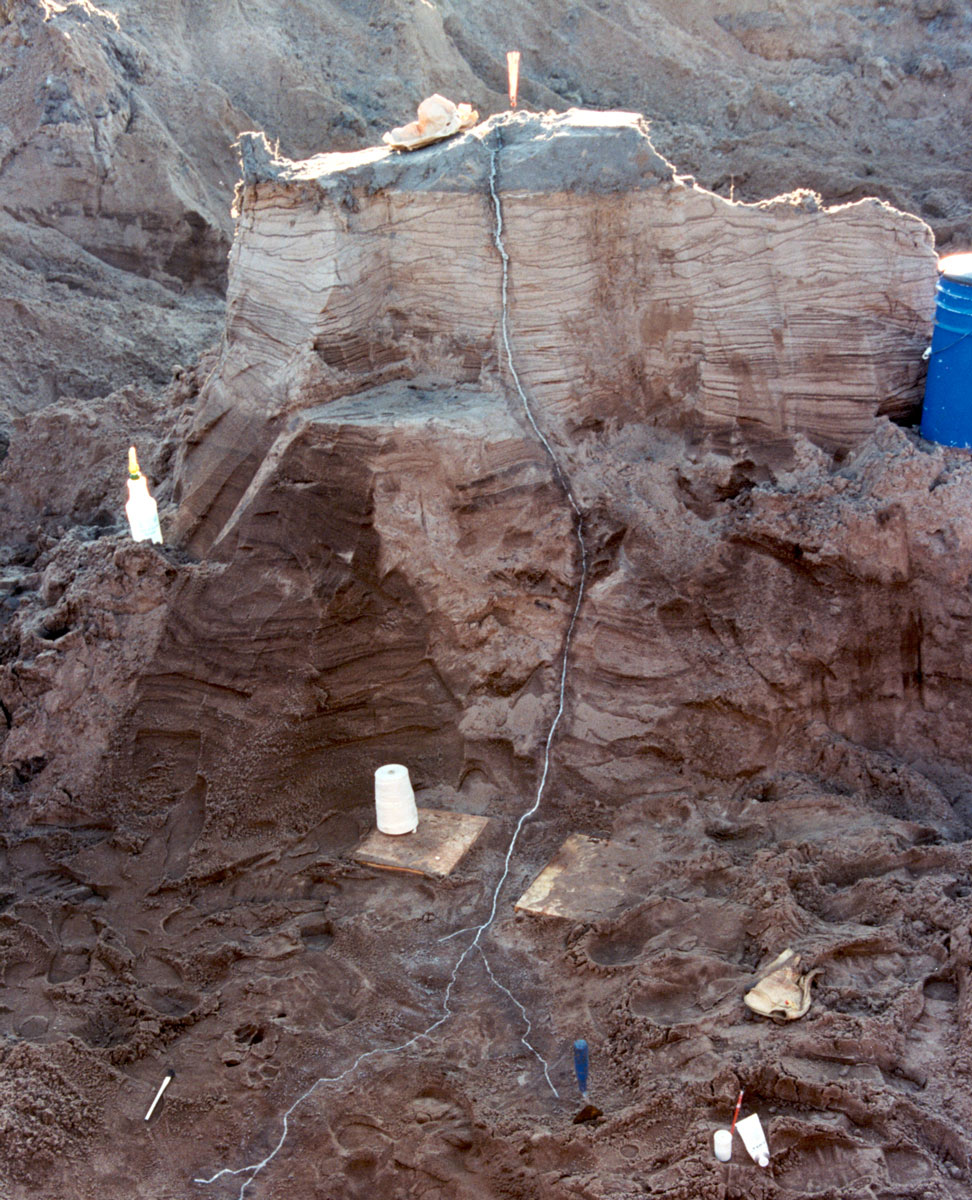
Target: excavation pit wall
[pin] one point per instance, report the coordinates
(680, 351)
(370, 560)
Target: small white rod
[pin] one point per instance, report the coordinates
(169, 1076)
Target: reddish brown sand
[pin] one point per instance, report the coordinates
(766, 699)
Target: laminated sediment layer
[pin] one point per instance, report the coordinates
(636, 296)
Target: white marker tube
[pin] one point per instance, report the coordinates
(141, 510)
(751, 1132)
(169, 1076)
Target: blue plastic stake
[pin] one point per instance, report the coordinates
(581, 1065)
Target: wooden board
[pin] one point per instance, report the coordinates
(586, 878)
(434, 849)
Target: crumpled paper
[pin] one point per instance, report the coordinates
(438, 118)
(782, 993)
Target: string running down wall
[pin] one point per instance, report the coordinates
(249, 1173)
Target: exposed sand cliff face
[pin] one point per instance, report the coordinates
(116, 124)
(370, 558)
(362, 419)
(637, 297)
(765, 698)
(113, 246)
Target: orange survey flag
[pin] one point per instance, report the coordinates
(513, 74)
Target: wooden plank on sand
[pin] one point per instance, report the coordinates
(587, 878)
(435, 849)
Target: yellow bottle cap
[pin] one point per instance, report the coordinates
(133, 471)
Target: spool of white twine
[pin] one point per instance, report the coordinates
(395, 809)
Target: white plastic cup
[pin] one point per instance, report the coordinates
(723, 1144)
(395, 810)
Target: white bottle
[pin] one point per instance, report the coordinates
(141, 509)
(751, 1132)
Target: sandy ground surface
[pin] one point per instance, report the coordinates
(289, 966)
(207, 914)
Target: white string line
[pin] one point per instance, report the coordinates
(578, 532)
(254, 1169)
(524, 1037)
(568, 636)
(505, 325)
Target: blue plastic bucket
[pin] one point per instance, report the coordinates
(946, 415)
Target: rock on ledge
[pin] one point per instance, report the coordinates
(635, 296)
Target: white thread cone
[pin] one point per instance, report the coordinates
(395, 809)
